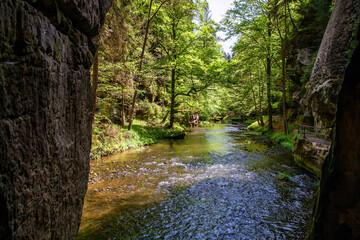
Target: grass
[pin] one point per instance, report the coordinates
(279, 137)
(108, 138)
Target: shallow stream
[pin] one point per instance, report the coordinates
(217, 183)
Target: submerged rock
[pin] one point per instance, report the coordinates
(45, 114)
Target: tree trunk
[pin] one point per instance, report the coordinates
(283, 66)
(260, 100)
(123, 107)
(254, 100)
(95, 81)
(286, 129)
(268, 73)
(172, 104)
(132, 113)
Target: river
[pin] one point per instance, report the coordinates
(217, 183)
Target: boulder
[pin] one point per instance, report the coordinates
(46, 51)
(310, 155)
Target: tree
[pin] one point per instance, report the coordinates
(176, 37)
(252, 19)
(131, 118)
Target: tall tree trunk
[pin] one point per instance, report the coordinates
(283, 66)
(268, 73)
(95, 81)
(123, 107)
(132, 113)
(260, 100)
(254, 100)
(286, 129)
(172, 104)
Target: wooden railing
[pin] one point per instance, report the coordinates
(306, 129)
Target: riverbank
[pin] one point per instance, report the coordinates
(109, 138)
(277, 134)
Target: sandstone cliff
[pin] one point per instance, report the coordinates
(330, 64)
(45, 114)
(337, 214)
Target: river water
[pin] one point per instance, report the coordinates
(217, 183)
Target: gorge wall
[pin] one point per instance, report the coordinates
(328, 72)
(338, 209)
(45, 114)
(337, 213)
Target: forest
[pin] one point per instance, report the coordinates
(160, 62)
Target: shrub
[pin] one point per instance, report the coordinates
(281, 138)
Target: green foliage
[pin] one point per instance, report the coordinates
(292, 128)
(256, 127)
(183, 69)
(205, 124)
(283, 176)
(109, 138)
(151, 112)
(323, 9)
(281, 138)
(249, 121)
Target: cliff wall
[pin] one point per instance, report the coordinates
(45, 114)
(329, 68)
(337, 213)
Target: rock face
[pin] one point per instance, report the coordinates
(338, 210)
(337, 214)
(310, 155)
(329, 68)
(305, 43)
(45, 114)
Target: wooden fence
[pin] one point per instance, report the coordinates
(306, 129)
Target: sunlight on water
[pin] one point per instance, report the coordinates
(216, 181)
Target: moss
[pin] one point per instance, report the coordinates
(307, 166)
(256, 127)
(283, 176)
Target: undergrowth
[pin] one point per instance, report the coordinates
(108, 138)
(279, 137)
